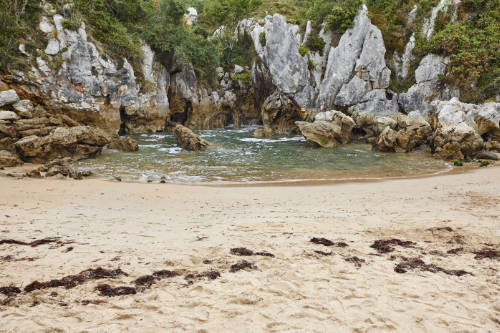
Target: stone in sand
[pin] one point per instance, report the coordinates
(189, 140)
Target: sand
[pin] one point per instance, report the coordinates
(142, 228)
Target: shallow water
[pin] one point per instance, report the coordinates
(239, 157)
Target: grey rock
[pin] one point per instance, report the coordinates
(428, 86)
(8, 97)
(52, 47)
(23, 108)
(45, 25)
(191, 16)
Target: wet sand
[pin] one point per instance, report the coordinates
(190, 230)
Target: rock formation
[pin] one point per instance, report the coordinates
(329, 129)
(123, 144)
(189, 140)
(78, 142)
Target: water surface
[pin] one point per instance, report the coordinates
(239, 157)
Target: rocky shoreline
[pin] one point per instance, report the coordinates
(76, 100)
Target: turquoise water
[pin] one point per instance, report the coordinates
(238, 157)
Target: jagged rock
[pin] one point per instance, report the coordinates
(8, 159)
(372, 124)
(280, 55)
(412, 132)
(456, 128)
(353, 92)
(189, 140)
(8, 97)
(279, 114)
(76, 142)
(428, 86)
(8, 115)
(123, 144)
(360, 55)
(378, 102)
(330, 129)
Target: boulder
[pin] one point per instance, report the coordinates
(189, 140)
(78, 142)
(330, 129)
(8, 97)
(8, 159)
(123, 144)
(457, 126)
(412, 132)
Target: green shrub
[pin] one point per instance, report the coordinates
(310, 64)
(483, 164)
(458, 163)
(243, 77)
(303, 51)
(316, 44)
(262, 39)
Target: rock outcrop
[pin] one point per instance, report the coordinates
(78, 142)
(458, 133)
(329, 129)
(409, 133)
(428, 86)
(189, 140)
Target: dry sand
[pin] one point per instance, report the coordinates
(142, 228)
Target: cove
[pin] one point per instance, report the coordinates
(239, 157)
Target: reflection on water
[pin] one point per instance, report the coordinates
(239, 157)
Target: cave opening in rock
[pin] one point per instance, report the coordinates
(123, 120)
(182, 117)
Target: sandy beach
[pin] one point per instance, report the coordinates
(190, 230)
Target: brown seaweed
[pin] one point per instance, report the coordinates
(243, 264)
(107, 290)
(384, 246)
(72, 281)
(416, 263)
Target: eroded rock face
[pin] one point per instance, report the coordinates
(279, 114)
(189, 140)
(9, 159)
(411, 132)
(458, 133)
(428, 86)
(330, 129)
(78, 142)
